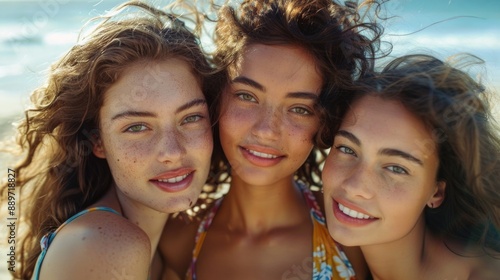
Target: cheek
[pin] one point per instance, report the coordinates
(330, 176)
(302, 131)
(234, 124)
(201, 141)
(126, 153)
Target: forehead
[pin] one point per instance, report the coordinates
(151, 83)
(278, 63)
(388, 123)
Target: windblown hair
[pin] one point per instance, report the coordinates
(456, 109)
(342, 45)
(59, 175)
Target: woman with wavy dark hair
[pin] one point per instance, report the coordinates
(118, 138)
(282, 61)
(413, 175)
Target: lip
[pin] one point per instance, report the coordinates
(348, 220)
(175, 180)
(268, 158)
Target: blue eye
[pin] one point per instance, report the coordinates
(136, 128)
(397, 169)
(345, 150)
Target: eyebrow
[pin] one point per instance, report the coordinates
(251, 83)
(407, 156)
(190, 104)
(349, 136)
(387, 151)
(131, 113)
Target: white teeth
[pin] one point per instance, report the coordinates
(174, 180)
(353, 213)
(263, 155)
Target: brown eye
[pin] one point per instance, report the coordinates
(301, 111)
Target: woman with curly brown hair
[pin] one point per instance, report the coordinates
(282, 60)
(413, 175)
(119, 137)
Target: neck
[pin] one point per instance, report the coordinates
(257, 209)
(147, 219)
(404, 258)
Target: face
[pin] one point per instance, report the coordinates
(380, 174)
(268, 119)
(155, 134)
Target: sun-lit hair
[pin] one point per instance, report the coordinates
(335, 35)
(58, 175)
(457, 111)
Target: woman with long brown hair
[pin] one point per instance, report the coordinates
(413, 175)
(118, 138)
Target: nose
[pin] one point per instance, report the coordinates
(171, 146)
(360, 182)
(268, 123)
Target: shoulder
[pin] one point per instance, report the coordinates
(98, 245)
(176, 245)
(488, 267)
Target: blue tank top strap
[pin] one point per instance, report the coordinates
(47, 239)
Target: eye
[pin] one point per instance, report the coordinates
(301, 111)
(136, 128)
(246, 97)
(345, 150)
(192, 119)
(397, 169)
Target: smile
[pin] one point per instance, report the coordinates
(175, 179)
(353, 213)
(262, 155)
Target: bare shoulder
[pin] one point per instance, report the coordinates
(488, 267)
(98, 245)
(176, 246)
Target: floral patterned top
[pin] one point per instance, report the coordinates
(329, 261)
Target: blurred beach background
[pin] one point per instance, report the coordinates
(33, 34)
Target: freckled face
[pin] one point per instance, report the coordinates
(155, 134)
(380, 174)
(268, 120)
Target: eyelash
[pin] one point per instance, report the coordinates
(304, 113)
(249, 98)
(243, 96)
(343, 148)
(129, 128)
(391, 168)
(197, 118)
(404, 171)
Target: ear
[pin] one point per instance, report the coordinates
(98, 148)
(437, 199)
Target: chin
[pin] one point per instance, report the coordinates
(182, 202)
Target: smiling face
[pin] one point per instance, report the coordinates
(268, 120)
(155, 134)
(380, 174)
